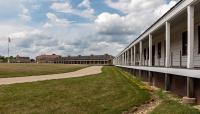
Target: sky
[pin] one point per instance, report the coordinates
(75, 27)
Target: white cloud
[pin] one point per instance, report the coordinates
(134, 6)
(139, 14)
(53, 20)
(14, 10)
(18, 35)
(164, 8)
(25, 14)
(25, 33)
(86, 12)
(85, 3)
(62, 7)
(113, 24)
(25, 17)
(58, 35)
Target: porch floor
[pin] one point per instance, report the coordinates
(175, 71)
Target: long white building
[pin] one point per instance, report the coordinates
(167, 54)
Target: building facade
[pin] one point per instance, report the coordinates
(47, 58)
(91, 60)
(20, 59)
(167, 54)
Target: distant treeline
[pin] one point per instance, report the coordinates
(4, 59)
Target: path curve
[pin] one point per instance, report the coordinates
(80, 73)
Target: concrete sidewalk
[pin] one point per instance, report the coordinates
(80, 73)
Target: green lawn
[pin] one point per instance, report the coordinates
(171, 106)
(17, 70)
(111, 92)
(107, 93)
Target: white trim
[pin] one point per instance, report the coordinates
(175, 71)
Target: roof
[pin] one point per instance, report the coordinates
(91, 57)
(48, 56)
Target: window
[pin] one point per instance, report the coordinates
(145, 56)
(184, 43)
(199, 39)
(159, 50)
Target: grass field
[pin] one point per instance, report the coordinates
(18, 70)
(111, 92)
(172, 106)
(107, 93)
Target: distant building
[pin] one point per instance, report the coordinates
(92, 60)
(47, 58)
(20, 59)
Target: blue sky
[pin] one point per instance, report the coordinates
(74, 27)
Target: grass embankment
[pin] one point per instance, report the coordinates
(107, 93)
(171, 105)
(19, 70)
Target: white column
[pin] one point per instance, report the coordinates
(123, 59)
(131, 55)
(120, 60)
(190, 25)
(134, 55)
(168, 46)
(121, 63)
(150, 50)
(140, 53)
(127, 57)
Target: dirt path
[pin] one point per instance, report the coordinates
(145, 108)
(148, 106)
(80, 73)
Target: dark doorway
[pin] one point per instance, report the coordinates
(184, 43)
